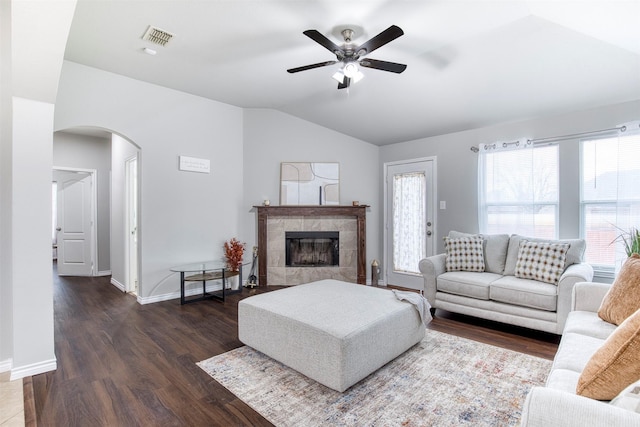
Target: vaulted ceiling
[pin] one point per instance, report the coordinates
(470, 63)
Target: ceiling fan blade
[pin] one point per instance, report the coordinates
(311, 67)
(383, 65)
(322, 40)
(391, 33)
(345, 83)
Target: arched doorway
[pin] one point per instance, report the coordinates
(115, 160)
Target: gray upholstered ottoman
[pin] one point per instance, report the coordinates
(334, 332)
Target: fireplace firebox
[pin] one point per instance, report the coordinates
(312, 248)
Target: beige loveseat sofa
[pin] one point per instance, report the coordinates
(557, 404)
(497, 294)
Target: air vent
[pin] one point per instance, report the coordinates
(157, 36)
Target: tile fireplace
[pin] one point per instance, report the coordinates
(331, 238)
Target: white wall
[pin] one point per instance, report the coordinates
(6, 130)
(185, 216)
(89, 152)
(34, 35)
(31, 210)
(271, 137)
(39, 37)
(458, 165)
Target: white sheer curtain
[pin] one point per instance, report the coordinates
(518, 189)
(409, 221)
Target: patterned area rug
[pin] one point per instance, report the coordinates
(443, 380)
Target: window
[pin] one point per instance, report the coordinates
(409, 221)
(518, 190)
(610, 196)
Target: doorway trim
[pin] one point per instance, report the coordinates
(94, 213)
(132, 287)
(434, 188)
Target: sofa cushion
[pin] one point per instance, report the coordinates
(541, 261)
(588, 323)
(575, 351)
(464, 254)
(629, 398)
(494, 247)
(623, 298)
(575, 254)
(615, 365)
(563, 379)
(495, 253)
(465, 283)
(524, 292)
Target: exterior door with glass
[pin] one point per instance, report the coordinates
(409, 220)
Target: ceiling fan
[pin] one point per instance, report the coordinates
(352, 56)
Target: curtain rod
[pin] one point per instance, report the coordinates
(551, 139)
(574, 135)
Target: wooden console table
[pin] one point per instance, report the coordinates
(359, 212)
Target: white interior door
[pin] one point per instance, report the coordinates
(75, 225)
(409, 219)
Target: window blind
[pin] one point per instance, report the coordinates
(518, 190)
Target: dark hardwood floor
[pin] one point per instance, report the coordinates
(125, 364)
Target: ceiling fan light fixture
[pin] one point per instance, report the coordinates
(351, 71)
(355, 76)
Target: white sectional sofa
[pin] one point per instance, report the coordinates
(557, 404)
(497, 294)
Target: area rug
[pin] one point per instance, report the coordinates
(444, 380)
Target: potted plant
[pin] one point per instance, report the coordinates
(630, 240)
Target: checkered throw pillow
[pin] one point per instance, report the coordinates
(464, 254)
(541, 261)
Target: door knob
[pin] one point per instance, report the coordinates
(58, 229)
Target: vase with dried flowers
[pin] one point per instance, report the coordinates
(233, 251)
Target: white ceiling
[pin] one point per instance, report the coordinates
(470, 63)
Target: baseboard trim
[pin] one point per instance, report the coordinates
(174, 295)
(158, 298)
(33, 369)
(103, 273)
(117, 284)
(5, 365)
